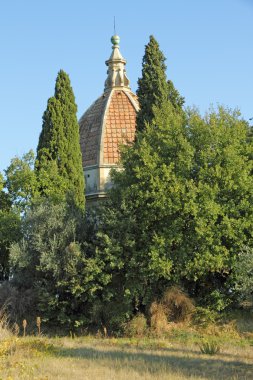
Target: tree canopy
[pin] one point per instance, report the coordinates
(184, 202)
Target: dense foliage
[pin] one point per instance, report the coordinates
(182, 207)
(57, 179)
(21, 184)
(61, 259)
(242, 278)
(12, 203)
(59, 161)
(180, 213)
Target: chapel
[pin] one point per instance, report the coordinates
(107, 124)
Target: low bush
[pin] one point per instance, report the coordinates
(158, 319)
(137, 326)
(177, 305)
(17, 303)
(204, 316)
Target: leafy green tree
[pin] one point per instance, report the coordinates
(242, 277)
(19, 187)
(147, 213)
(21, 182)
(9, 229)
(9, 233)
(221, 172)
(59, 162)
(153, 88)
(182, 207)
(59, 258)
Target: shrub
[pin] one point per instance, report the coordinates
(242, 275)
(137, 326)
(158, 319)
(112, 315)
(18, 303)
(216, 300)
(204, 316)
(177, 305)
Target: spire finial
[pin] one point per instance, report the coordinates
(115, 40)
(116, 67)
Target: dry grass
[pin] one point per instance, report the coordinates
(5, 332)
(88, 358)
(175, 356)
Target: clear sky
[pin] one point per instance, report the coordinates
(208, 45)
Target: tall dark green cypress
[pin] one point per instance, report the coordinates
(174, 97)
(153, 88)
(59, 160)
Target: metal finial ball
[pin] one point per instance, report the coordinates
(115, 40)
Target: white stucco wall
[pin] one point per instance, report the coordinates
(91, 176)
(97, 179)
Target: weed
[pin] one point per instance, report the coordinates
(15, 329)
(208, 347)
(8, 346)
(24, 324)
(38, 323)
(5, 331)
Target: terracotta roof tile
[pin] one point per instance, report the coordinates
(119, 124)
(90, 131)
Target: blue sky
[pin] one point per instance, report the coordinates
(208, 45)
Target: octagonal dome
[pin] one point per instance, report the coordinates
(109, 122)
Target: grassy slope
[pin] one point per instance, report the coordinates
(90, 358)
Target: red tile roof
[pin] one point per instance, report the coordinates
(90, 131)
(108, 123)
(119, 126)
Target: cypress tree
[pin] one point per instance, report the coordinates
(174, 97)
(59, 160)
(153, 88)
